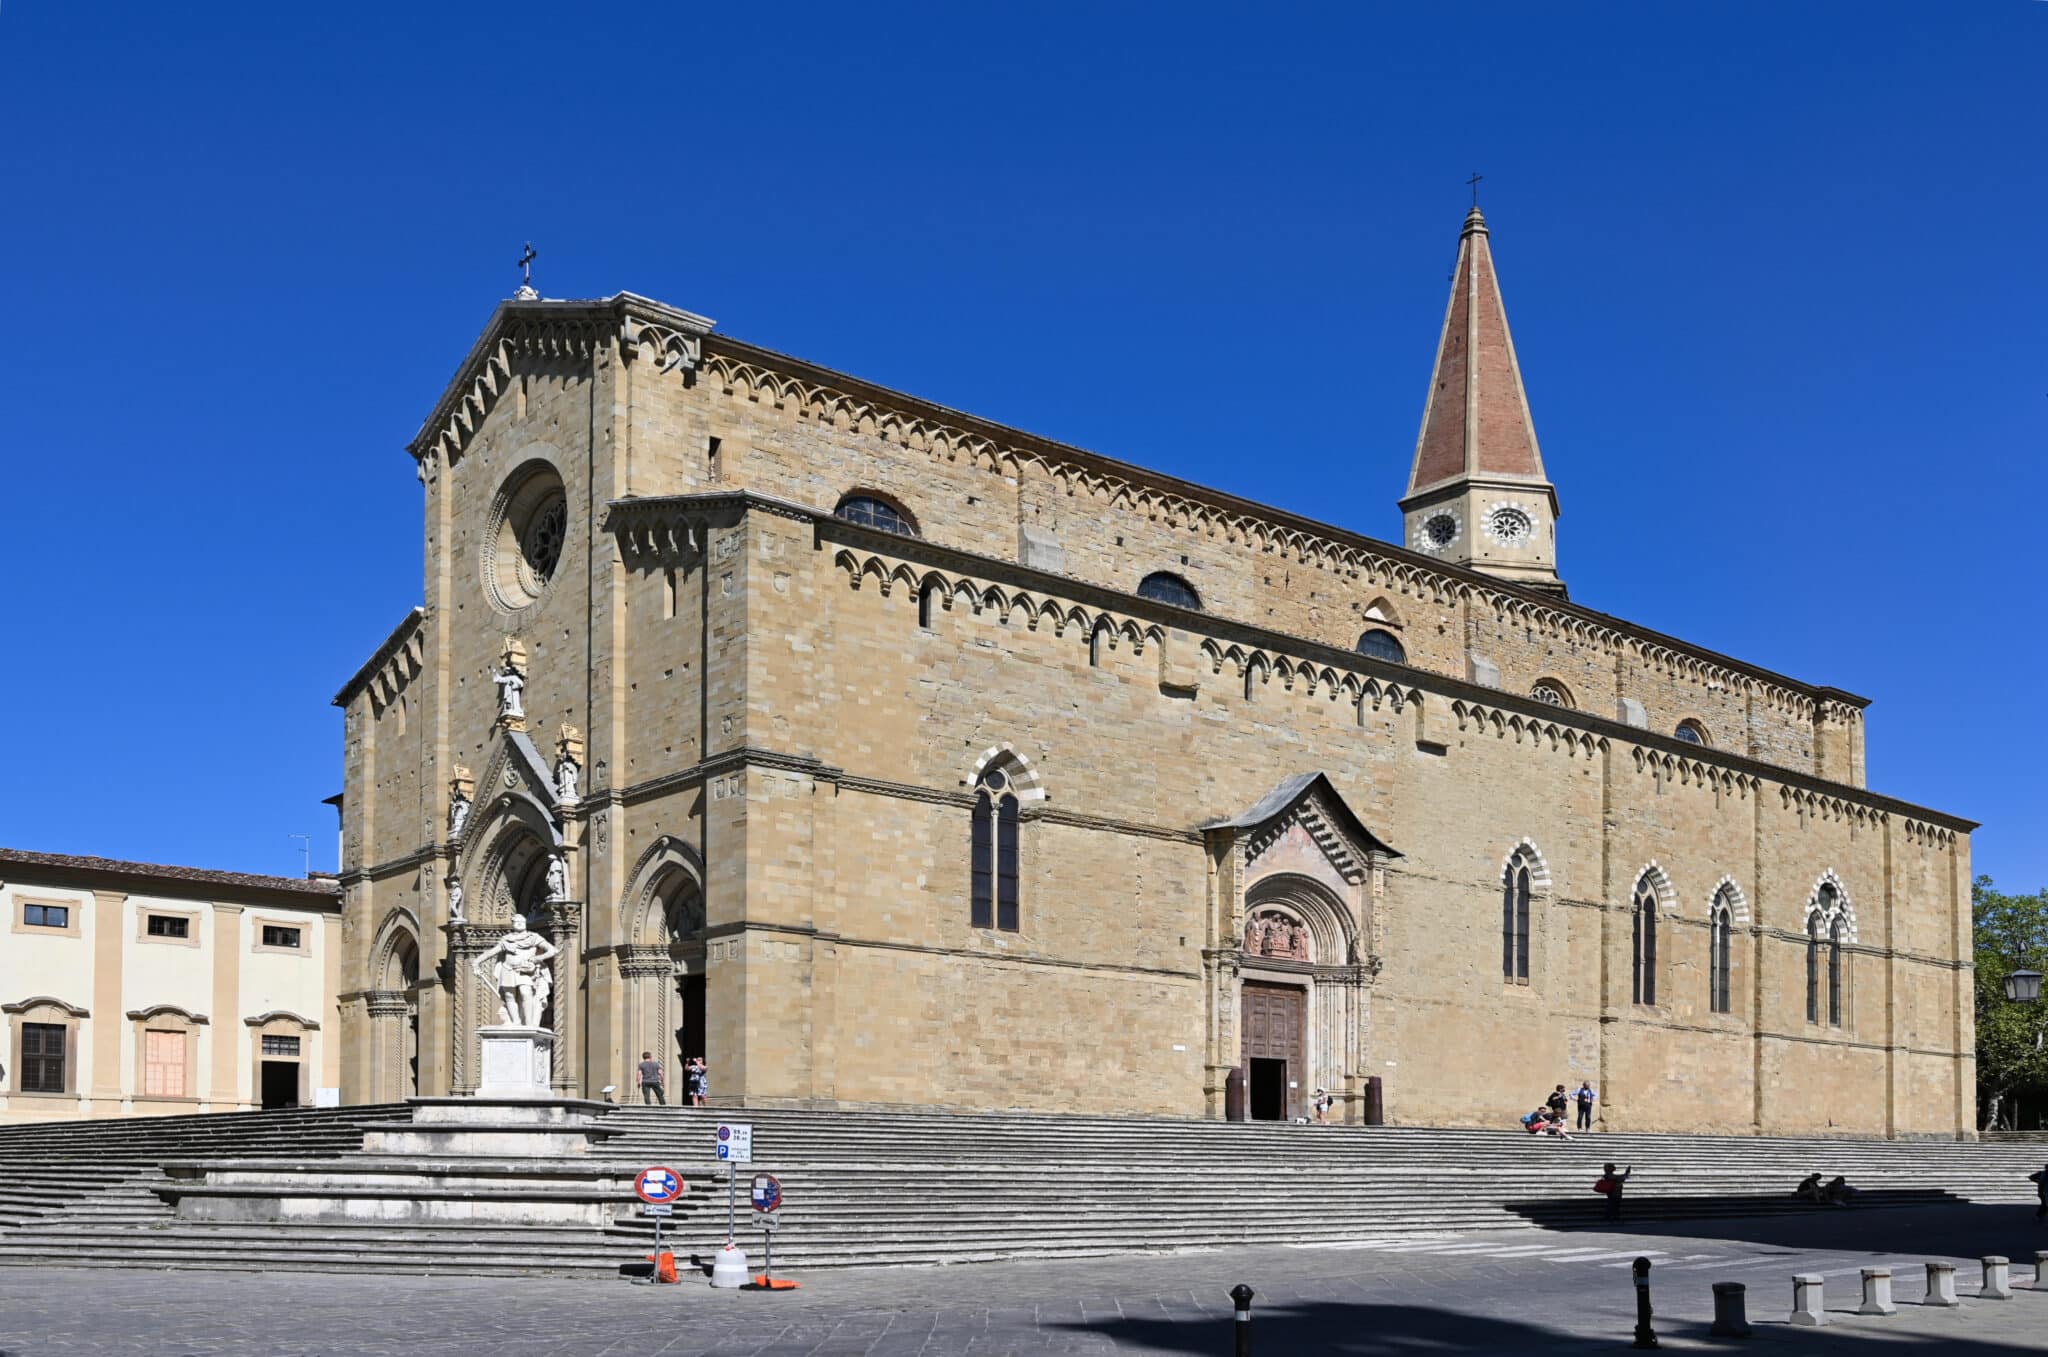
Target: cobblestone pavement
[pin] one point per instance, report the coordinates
(1507, 1293)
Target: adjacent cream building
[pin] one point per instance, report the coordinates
(888, 756)
(129, 988)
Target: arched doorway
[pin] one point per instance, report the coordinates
(394, 1010)
(1299, 994)
(681, 909)
(662, 963)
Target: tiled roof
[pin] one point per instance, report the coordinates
(12, 860)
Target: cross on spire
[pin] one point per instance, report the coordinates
(1472, 183)
(526, 259)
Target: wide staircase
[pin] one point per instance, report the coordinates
(893, 1188)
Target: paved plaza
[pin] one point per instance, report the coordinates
(1509, 1293)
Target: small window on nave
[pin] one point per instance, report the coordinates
(1381, 644)
(1551, 691)
(870, 512)
(1163, 587)
(1692, 732)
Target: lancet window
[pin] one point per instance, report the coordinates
(1643, 971)
(993, 853)
(1514, 921)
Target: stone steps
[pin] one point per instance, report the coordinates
(882, 1187)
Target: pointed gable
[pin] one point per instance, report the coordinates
(1476, 422)
(1309, 804)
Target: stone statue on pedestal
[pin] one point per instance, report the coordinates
(455, 900)
(558, 880)
(511, 684)
(521, 975)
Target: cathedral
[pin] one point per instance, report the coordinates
(888, 757)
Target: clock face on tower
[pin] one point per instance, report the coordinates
(1436, 532)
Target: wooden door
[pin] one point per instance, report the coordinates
(1273, 1030)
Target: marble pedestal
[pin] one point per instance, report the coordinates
(517, 1062)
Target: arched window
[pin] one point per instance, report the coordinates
(1692, 732)
(1643, 971)
(992, 853)
(1162, 587)
(871, 512)
(1551, 691)
(1514, 921)
(1718, 956)
(1381, 644)
(1835, 931)
(927, 602)
(1813, 928)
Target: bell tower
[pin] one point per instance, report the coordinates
(1477, 494)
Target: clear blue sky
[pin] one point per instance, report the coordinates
(1774, 272)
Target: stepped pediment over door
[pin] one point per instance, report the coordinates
(1304, 827)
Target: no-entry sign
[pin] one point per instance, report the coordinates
(767, 1192)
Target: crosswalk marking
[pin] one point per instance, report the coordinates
(1631, 1254)
(1665, 1263)
(1745, 1260)
(1578, 1255)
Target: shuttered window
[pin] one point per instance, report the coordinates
(163, 1064)
(42, 1057)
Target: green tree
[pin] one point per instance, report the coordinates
(2010, 934)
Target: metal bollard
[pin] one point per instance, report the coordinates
(1941, 1285)
(1877, 1292)
(1806, 1299)
(1646, 1337)
(1997, 1279)
(1241, 1296)
(1731, 1310)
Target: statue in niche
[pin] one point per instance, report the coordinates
(458, 814)
(520, 976)
(566, 776)
(455, 900)
(511, 689)
(558, 880)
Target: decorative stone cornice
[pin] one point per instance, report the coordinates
(551, 331)
(393, 666)
(747, 372)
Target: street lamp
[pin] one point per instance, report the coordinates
(2023, 986)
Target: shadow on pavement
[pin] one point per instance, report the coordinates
(1348, 1326)
(1960, 1230)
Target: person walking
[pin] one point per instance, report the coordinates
(1610, 1184)
(651, 1090)
(1585, 1098)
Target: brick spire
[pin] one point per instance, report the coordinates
(1477, 421)
(1477, 493)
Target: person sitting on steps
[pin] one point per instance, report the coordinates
(1808, 1189)
(1838, 1192)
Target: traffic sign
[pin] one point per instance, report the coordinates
(658, 1184)
(767, 1192)
(768, 1220)
(657, 1209)
(736, 1142)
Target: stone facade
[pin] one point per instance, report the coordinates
(955, 815)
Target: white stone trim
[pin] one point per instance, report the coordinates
(1024, 779)
(1738, 903)
(1539, 870)
(1845, 910)
(1660, 885)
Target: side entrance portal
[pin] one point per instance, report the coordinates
(1275, 1053)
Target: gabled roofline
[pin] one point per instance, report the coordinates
(400, 634)
(613, 311)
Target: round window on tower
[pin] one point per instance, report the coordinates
(1509, 526)
(1436, 532)
(529, 529)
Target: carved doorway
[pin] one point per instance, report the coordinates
(1275, 1049)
